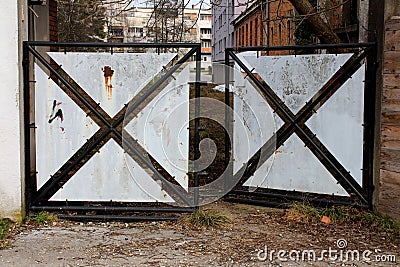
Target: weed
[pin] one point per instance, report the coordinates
(301, 212)
(4, 225)
(201, 218)
(44, 217)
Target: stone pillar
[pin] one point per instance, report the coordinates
(13, 31)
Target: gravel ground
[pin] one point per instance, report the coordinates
(241, 243)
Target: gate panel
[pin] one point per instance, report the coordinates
(110, 129)
(107, 175)
(296, 79)
(319, 124)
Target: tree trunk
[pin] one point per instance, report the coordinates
(317, 24)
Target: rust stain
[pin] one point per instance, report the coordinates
(278, 151)
(108, 75)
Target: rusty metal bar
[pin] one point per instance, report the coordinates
(109, 208)
(196, 128)
(126, 218)
(103, 44)
(299, 47)
(30, 179)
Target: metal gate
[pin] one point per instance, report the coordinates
(310, 124)
(82, 126)
(89, 126)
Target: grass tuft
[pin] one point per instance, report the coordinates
(301, 212)
(44, 217)
(4, 226)
(201, 218)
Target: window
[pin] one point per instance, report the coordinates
(205, 31)
(256, 32)
(224, 42)
(280, 33)
(135, 31)
(117, 32)
(242, 36)
(246, 35)
(272, 36)
(251, 33)
(206, 44)
(289, 32)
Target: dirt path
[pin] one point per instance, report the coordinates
(242, 243)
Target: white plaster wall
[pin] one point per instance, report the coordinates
(10, 137)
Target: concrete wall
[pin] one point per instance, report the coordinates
(13, 31)
(389, 186)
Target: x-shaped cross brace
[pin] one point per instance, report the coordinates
(295, 123)
(110, 128)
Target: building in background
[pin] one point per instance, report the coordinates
(224, 13)
(200, 22)
(276, 23)
(266, 23)
(127, 26)
(147, 24)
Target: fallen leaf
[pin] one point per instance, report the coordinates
(325, 219)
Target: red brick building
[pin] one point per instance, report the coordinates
(342, 18)
(266, 23)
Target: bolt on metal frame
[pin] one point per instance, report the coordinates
(110, 128)
(295, 124)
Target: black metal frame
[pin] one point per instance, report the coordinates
(110, 128)
(295, 124)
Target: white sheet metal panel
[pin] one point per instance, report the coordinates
(57, 141)
(338, 124)
(295, 79)
(162, 128)
(127, 74)
(257, 118)
(108, 174)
